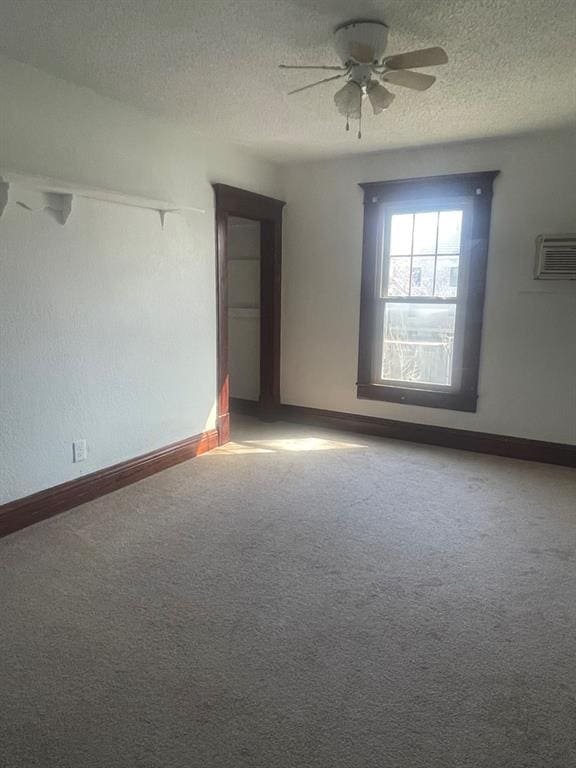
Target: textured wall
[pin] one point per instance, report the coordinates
(528, 364)
(108, 324)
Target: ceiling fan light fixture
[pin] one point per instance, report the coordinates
(360, 44)
(380, 97)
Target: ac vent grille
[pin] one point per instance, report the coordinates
(555, 257)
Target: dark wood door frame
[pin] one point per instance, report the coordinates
(231, 201)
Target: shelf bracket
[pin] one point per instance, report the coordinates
(58, 204)
(163, 212)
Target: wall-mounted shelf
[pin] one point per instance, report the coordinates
(43, 193)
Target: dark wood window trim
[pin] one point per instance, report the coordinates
(473, 189)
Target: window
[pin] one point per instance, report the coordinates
(423, 279)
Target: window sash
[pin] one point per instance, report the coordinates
(381, 299)
(387, 210)
(378, 353)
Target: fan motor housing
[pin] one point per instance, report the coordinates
(363, 42)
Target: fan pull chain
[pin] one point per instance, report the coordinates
(347, 122)
(360, 123)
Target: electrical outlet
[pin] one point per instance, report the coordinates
(79, 450)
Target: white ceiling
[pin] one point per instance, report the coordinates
(214, 63)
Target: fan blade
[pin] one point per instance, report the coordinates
(380, 97)
(427, 57)
(313, 85)
(310, 66)
(348, 100)
(415, 80)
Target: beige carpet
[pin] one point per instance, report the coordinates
(300, 599)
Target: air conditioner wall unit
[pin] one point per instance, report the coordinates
(555, 257)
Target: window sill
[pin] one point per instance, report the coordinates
(452, 401)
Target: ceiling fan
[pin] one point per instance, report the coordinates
(360, 45)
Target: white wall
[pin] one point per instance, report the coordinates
(108, 324)
(528, 366)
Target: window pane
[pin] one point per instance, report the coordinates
(425, 226)
(447, 277)
(418, 343)
(422, 276)
(401, 234)
(449, 231)
(399, 276)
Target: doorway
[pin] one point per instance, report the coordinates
(249, 262)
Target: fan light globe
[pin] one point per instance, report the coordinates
(380, 97)
(348, 100)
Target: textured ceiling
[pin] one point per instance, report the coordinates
(214, 63)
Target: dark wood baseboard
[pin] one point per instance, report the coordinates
(481, 442)
(23, 512)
